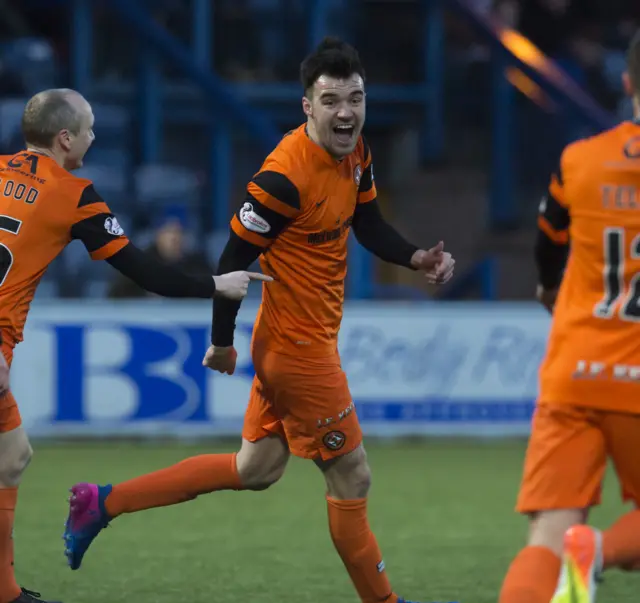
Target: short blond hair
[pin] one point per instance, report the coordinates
(47, 113)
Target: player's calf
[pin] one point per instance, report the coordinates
(92, 507)
(533, 574)
(548, 528)
(621, 543)
(348, 479)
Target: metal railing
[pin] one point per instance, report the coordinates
(236, 103)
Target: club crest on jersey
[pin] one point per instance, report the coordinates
(112, 226)
(334, 440)
(252, 221)
(357, 174)
(632, 148)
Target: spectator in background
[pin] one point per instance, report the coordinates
(169, 246)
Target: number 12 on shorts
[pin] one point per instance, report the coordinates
(615, 251)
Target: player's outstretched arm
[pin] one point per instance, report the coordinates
(380, 238)
(93, 223)
(163, 279)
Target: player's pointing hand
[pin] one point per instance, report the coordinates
(235, 285)
(436, 263)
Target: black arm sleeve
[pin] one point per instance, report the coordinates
(238, 254)
(158, 277)
(378, 236)
(551, 259)
(552, 247)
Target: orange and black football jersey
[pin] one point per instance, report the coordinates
(299, 209)
(593, 356)
(43, 208)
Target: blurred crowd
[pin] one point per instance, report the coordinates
(263, 40)
(588, 38)
(259, 40)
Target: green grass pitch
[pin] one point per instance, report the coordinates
(442, 511)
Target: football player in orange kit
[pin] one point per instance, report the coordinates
(589, 403)
(299, 208)
(43, 208)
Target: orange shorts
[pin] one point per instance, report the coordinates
(306, 401)
(9, 414)
(567, 457)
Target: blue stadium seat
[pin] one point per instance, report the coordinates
(144, 238)
(97, 289)
(11, 110)
(34, 60)
(215, 243)
(75, 258)
(113, 122)
(47, 289)
(162, 184)
(111, 183)
(110, 156)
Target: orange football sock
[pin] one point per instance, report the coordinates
(532, 577)
(621, 543)
(9, 589)
(358, 548)
(176, 484)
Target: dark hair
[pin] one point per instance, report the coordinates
(332, 57)
(633, 63)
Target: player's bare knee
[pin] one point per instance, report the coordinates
(349, 476)
(260, 476)
(261, 464)
(15, 455)
(547, 528)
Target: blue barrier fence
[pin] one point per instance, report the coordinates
(236, 103)
(135, 368)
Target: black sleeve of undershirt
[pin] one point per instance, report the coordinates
(238, 254)
(378, 236)
(552, 242)
(551, 259)
(160, 278)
